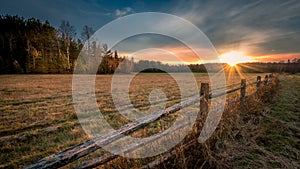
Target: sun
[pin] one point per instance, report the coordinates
(232, 58)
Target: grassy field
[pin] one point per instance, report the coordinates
(37, 117)
(269, 136)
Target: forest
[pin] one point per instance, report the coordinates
(29, 46)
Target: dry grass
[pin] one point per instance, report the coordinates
(38, 118)
(266, 135)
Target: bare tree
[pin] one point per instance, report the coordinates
(87, 33)
(67, 32)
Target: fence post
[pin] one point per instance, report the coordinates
(258, 82)
(270, 78)
(243, 89)
(204, 102)
(266, 79)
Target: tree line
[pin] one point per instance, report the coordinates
(252, 67)
(30, 46)
(275, 67)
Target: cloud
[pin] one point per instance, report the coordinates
(253, 27)
(277, 57)
(122, 12)
(256, 28)
(155, 42)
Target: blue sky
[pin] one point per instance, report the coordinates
(266, 30)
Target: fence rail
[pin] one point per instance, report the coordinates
(80, 150)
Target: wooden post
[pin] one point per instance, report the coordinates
(243, 89)
(266, 79)
(258, 82)
(204, 102)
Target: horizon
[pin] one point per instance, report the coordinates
(220, 62)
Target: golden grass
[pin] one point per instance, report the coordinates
(38, 119)
(266, 135)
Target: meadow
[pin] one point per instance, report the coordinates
(37, 117)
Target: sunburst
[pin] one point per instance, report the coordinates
(232, 58)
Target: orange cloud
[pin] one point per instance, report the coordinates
(175, 55)
(276, 57)
(185, 55)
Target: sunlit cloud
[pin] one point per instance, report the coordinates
(161, 55)
(277, 57)
(254, 27)
(167, 54)
(122, 12)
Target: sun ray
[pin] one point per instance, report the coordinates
(249, 67)
(231, 75)
(237, 68)
(234, 61)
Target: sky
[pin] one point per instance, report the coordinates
(263, 30)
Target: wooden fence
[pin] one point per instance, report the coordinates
(80, 150)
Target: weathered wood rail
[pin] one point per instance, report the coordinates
(80, 150)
